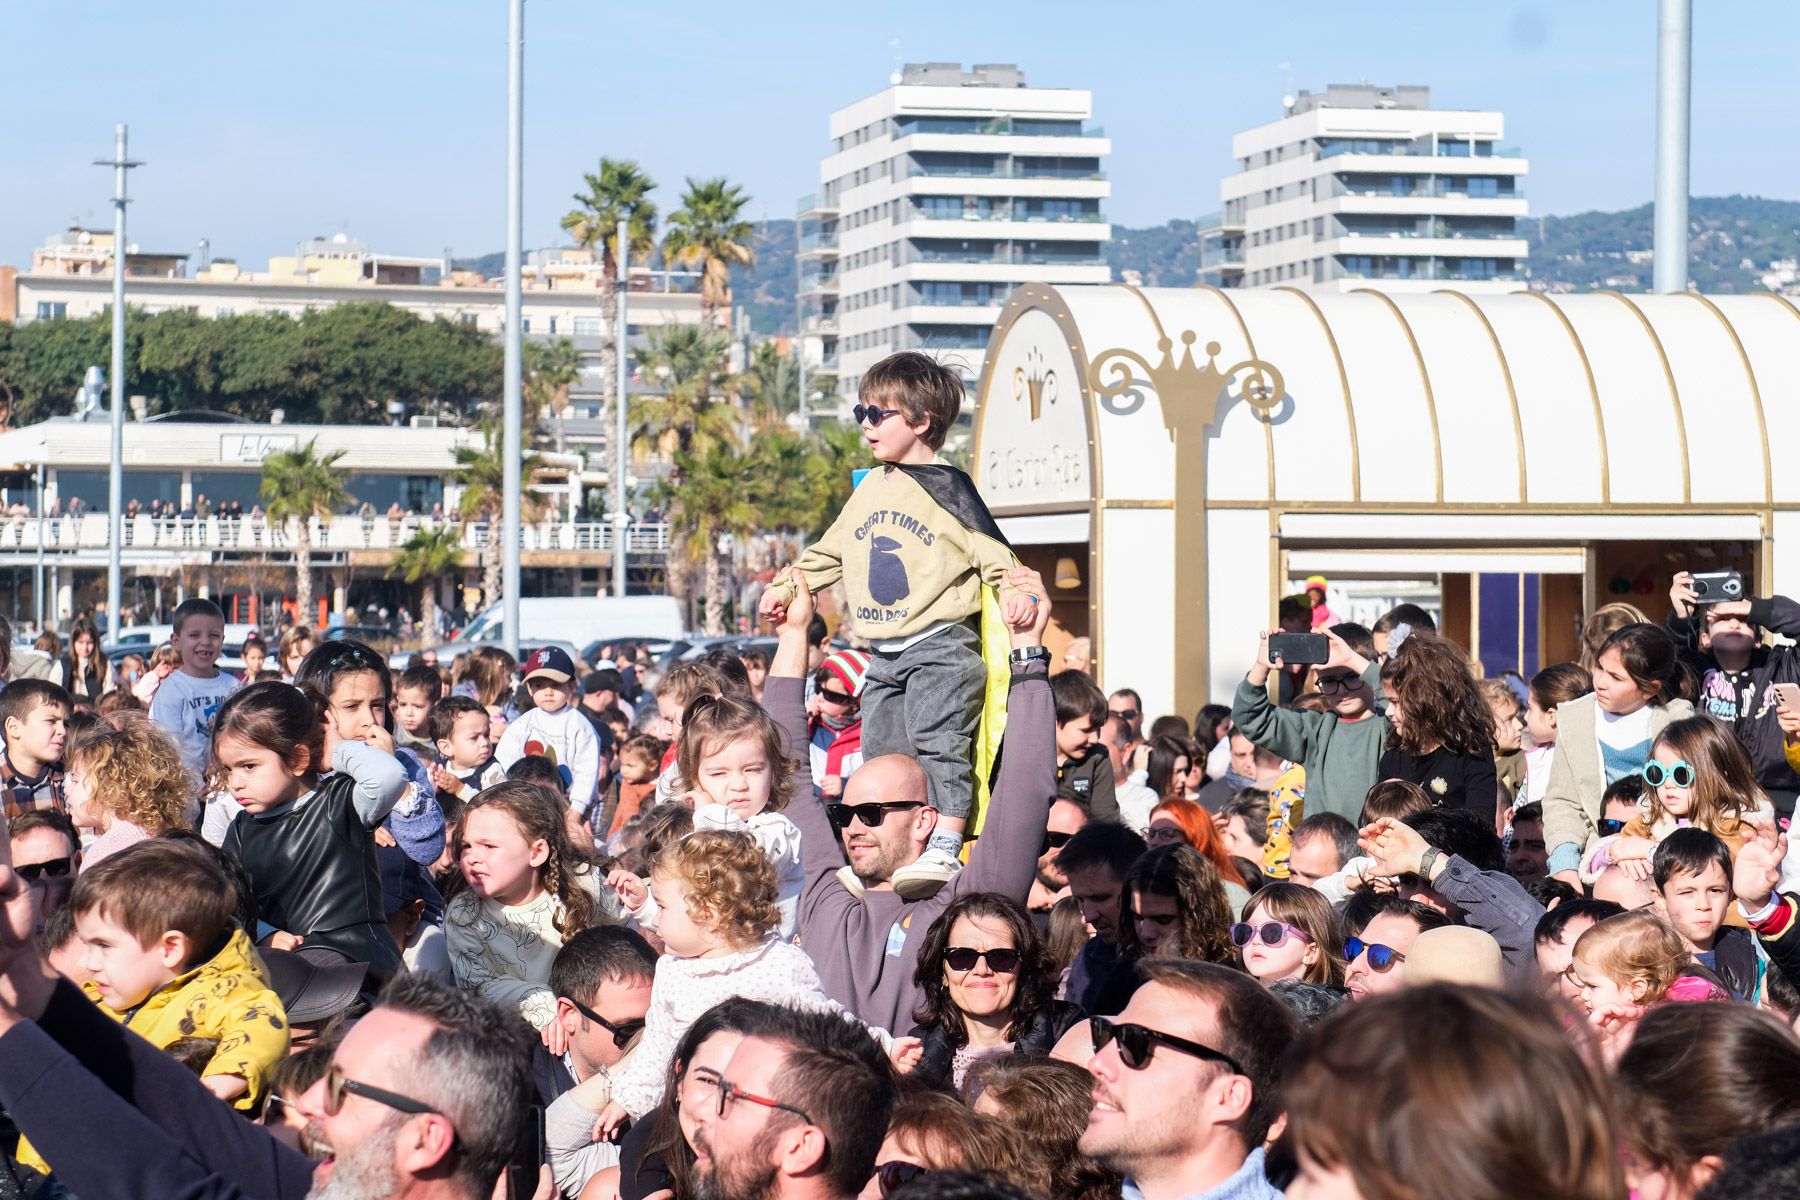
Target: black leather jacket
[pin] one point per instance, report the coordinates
(1039, 1037)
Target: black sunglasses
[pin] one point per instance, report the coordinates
(892, 1176)
(1002, 961)
(1055, 839)
(835, 697)
(872, 415)
(55, 868)
(1125, 714)
(622, 1032)
(1137, 1042)
(337, 1085)
(869, 814)
(1610, 826)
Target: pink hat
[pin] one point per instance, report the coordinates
(850, 667)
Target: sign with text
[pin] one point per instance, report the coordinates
(249, 449)
(1033, 447)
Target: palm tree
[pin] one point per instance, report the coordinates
(551, 368)
(617, 195)
(709, 229)
(711, 502)
(686, 363)
(297, 486)
(427, 557)
(482, 476)
(772, 385)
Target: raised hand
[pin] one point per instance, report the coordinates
(1758, 870)
(1681, 593)
(1396, 847)
(1027, 582)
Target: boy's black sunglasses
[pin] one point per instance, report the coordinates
(872, 415)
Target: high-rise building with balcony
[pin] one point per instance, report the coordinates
(1370, 187)
(940, 195)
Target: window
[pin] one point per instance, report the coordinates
(587, 326)
(552, 326)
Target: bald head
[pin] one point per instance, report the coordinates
(890, 779)
(1613, 884)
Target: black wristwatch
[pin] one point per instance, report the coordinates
(1025, 655)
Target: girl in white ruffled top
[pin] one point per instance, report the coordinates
(716, 914)
(730, 754)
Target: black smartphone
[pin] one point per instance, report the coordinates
(1718, 587)
(1299, 649)
(529, 1155)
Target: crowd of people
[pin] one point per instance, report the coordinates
(918, 920)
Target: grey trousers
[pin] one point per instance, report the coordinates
(925, 702)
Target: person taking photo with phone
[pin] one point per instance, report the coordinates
(1741, 678)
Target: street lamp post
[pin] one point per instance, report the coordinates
(513, 433)
(621, 434)
(1674, 78)
(115, 478)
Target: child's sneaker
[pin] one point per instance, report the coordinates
(922, 878)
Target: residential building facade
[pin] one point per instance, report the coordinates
(942, 193)
(1361, 187)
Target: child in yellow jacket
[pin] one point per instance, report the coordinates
(166, 958)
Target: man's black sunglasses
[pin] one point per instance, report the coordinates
(622, 1032)
(55, 868)
(1055, 839)
(871, 815)
(1138, 1042)
(1610, 826)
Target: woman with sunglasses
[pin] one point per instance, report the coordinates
(986, 986)
(1291, 933)
(931, 1133)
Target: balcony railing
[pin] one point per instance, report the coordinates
(342, 533)
(818, 241)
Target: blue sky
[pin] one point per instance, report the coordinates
(265, 123)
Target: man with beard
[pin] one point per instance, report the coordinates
(1198, 1040)
(424, 1099)
(803, 1106)
(861, 932)
(1068, 817)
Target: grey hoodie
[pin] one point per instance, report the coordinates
(866, 949)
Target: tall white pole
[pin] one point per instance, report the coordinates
(513, 435)
(1674, 78)
(621, 414)
(115, 479)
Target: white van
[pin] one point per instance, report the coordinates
(578, 620)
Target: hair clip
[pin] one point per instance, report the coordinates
(1397, 637)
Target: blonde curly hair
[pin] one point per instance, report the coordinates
(134, 773)
(732, 886)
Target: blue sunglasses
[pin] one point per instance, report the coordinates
(1380, 957)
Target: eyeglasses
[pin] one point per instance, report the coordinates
(835, 697)
(1003, 960)
(55, 868)
(1610, 826)
(1678, 773)
(730, 1092)
(1125, 714)
(1136, 1043)
(890, 1177)
(1380, 957)
(1331, 685)
(622, 1032)
(869, 814)
(1055, 839)
(337, 1086)
(1270, 933)
(869, 414)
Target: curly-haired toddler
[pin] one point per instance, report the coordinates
(125, 781)
(715, 892)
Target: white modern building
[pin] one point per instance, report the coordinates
(1371, 187)
(942, 193)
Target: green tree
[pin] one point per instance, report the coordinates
(428, 556)
(551, 368)
(481, 473)
(709, 230)
(771, 384)
(691, 409)
(297, 486)
(618, 195)
(710, 502)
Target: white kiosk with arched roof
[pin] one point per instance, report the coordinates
(1185, 456)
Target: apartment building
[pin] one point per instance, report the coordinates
(942, 193)
(1363, 186)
